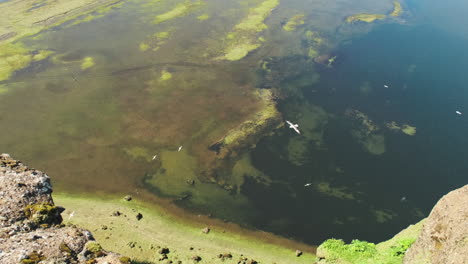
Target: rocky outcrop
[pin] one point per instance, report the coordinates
(444, 237)
(31, 229)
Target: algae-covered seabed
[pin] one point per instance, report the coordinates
(126, 81)
(158, 228)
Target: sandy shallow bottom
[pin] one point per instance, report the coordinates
(141, 239)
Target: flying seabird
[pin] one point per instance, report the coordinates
(293, 126)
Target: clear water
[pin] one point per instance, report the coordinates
(96, 130)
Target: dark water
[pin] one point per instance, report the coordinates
(425, 70)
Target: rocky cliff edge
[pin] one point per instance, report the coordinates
(31, 229)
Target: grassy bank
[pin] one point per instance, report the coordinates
(141, 239)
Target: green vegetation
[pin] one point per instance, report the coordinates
(165, 75)
(144, 46)
(125, 260)
(43, 214)
(405, 128)
(13, 57)
(408, 130)
(364, 17)
(203, 17)
(3, 89)
(138, 153)
(397, 10)
(243, 39)
(383, 216)
(336, 192)
(42, 55)
(161, 228)
(87, 63)
(334, 251)
(33, 258)
(294, 22)
(96, 13)
(179, 10)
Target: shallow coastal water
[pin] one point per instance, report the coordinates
(125, 86)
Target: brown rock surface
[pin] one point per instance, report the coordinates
(444, 237)
(30, 223)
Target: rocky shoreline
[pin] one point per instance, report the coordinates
(31, 229)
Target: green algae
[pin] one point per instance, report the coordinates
(161, 227)
(294, 22)
(42, 55)
(335, 192)
(3, 89)
(137, 153)
(368, 18)
(87, 63)
(162, 35)
(165, 75)
(366, 132)
(408, 130)
(397, 9)
(313, 121)
(383, 216)
(404, 128)
(179, 10)
(93, 14)
(243, 39)
(263, 119)
(203, 17)
(13, 57)
(240, 50)
(144, 46)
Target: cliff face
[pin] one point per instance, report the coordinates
(444, 237)
(31, 229)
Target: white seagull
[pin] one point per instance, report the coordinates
(179, 148)
(154, 157)
(293, 126)
(458, 112)
(71, 215)
(386, 86)
(307, 184)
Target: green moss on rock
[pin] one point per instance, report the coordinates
(43, 214)
(64, 248)
(33, 258)
(125, 260)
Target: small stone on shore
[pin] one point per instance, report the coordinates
(164, 250)
(298, 253)
(206, 230)
(139, 216)
(196, 258)
(116, 213)
(128, 198)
